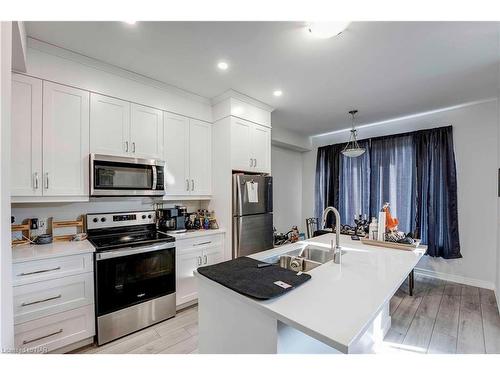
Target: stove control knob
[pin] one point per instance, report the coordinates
(103, 219)
(95, 220)
(149, 216)
(143, 217)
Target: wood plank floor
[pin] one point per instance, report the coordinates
(441, 317)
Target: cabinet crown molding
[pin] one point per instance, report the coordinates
(241, 97)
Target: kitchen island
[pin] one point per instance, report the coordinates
(344, 308)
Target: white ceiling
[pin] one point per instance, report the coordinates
(384, 69)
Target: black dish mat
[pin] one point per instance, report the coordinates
(243, 276)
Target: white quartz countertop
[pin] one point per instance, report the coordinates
(340, 301)
(196, 233)
(24, 253)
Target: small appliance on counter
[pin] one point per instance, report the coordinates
(172, 220)
(134, 267)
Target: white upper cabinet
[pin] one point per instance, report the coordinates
(146, 132)
(65, 140)
(109, 125)
(176, 154)
(188, 156)
(200, 157)
(241, 131)
(261, 148)
(26, 149)
(122, 128)
(250, 146)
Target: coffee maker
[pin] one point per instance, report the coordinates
(172, 220)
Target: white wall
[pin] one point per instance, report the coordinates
(476, 139)
(287, 189)
(6, 308)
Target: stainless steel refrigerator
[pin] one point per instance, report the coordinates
(252, 214)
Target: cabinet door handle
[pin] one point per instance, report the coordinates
(192, 185)
(133, 147)
(206, 259)
(40, 271)
(199, 261)
(40, 301)
(251, 162)
(187, 184)
(255, 162)
(42, 337)
(47, 181)
(202, 243)
(35, 182)
(126, 146)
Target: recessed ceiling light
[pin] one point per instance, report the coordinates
(325, 30)
(130, 22)
(222, 65)
(277, 92)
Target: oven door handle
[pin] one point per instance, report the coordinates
(133, 250)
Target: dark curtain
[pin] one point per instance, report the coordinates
(436, 192)
(327, 179)
(354, 190)
(415, 172)
(393, 178)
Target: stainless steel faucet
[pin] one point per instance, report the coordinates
(337, 252)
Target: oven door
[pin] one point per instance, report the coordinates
(123, 176)
(133, 275)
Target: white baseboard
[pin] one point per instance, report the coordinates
(456, 279)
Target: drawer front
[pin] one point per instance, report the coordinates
(33, 301)
(47, 269)
(199, 242)
(55, 331)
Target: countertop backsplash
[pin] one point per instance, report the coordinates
(71, 211)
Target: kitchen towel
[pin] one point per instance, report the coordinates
(244, 276)
(253, 191)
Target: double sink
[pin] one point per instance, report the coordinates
(303, 259)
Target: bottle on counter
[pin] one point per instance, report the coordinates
(372, 229)
(381, 226)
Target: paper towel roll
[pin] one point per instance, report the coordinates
(381, 226)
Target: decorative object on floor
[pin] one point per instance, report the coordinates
(352, 149)
(57, 225)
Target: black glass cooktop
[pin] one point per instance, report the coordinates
(138, 238)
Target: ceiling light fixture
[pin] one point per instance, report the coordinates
(130, 22)
(277, 92)
(222, 65)
(325, 30)
(352, 149)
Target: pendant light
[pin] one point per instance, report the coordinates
(352, 149)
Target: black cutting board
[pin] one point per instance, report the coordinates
(243, 276)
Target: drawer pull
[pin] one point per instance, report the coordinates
(40, 301)
(206, 259)
(202, 243)
(41, 271)
(42, 337)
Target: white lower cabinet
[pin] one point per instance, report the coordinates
(33, 301)
(191, 254)
(55, 331)
(53, 302)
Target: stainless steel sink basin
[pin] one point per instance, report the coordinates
(307, 259)
(316, 254)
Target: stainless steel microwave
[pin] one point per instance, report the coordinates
(125, 176)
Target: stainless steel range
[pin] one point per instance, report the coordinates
(134, 272)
